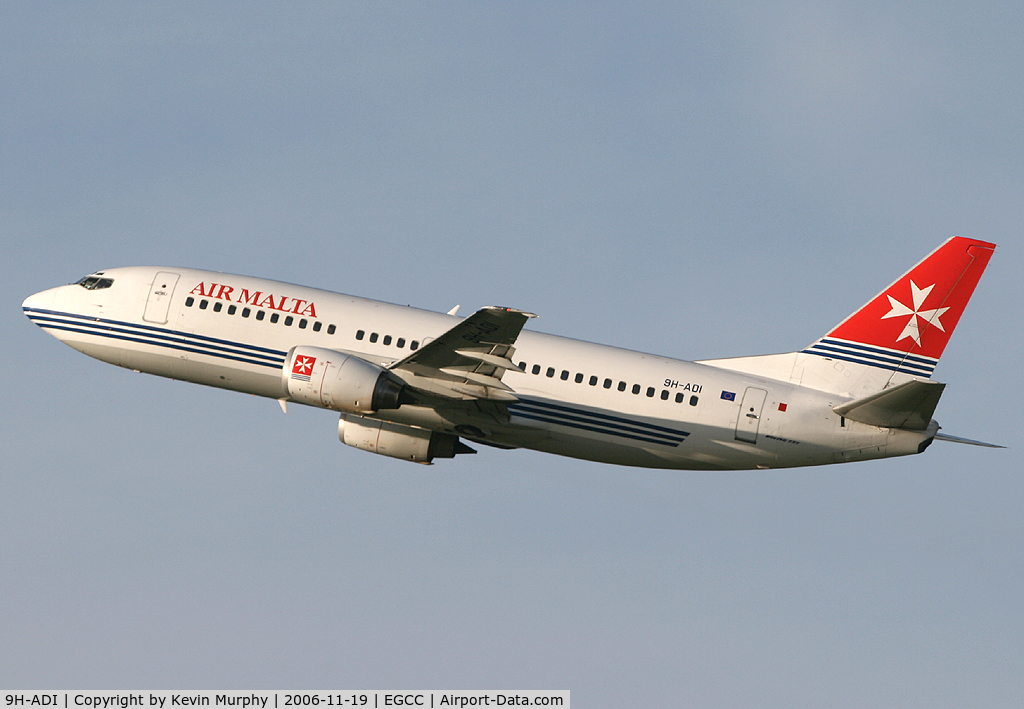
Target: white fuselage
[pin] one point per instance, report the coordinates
(575, 398)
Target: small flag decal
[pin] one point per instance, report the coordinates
(729, 395)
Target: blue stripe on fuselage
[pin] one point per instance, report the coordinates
(158, 336)
(597, 422)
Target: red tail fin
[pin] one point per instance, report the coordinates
(906, 327)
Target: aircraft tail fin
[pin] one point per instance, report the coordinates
(905, 328)
(898, 336)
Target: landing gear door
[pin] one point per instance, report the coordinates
(750, 414)
(159, 300)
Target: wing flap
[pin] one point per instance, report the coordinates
(486, 380)
(487, 357)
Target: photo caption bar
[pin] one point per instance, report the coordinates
(283, 700)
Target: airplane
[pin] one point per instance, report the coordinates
(418, 385)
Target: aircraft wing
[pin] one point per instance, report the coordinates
(468, 361)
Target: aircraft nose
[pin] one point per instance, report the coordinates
(43, 300)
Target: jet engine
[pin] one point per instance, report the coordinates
(334, 380)
(397, 441)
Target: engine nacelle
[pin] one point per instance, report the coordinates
(397, 441)
(334, 380)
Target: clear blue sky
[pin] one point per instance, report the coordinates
(696, 180)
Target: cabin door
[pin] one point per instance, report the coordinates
(750, 414)
(159, 300)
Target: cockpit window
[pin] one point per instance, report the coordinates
(95, 282)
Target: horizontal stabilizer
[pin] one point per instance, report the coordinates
(968, 441)
(909, 405)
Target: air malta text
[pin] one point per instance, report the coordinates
(257, 299)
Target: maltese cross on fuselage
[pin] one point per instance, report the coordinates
(918, 295)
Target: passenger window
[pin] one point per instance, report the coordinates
(693, 401)
(288, 321)
(607, 383)
(203, 304)
(330, 329)
(414, 345)
(189, 301)
(565, 375)
(373, 336)
(360, 334)
(217, 306)
(401, 343)
(679, 398)
(622, 386)
(317, 325)
(260, 314)
(536, 369)
(245, 312)
(303, 323)
(387, 339)
(274, 317)
(579, 377)
(650, 391)
(232, 309)
(550, 372)
(664, 394)
(636, 388)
